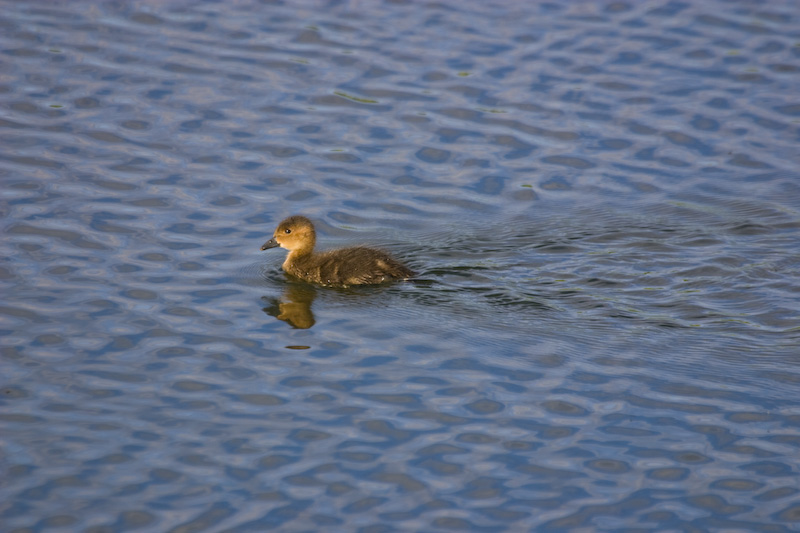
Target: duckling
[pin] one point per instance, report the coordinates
(347, 266)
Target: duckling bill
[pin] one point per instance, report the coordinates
(347, 266)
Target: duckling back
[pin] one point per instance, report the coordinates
(348, 266)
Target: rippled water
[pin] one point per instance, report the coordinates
(602, 201)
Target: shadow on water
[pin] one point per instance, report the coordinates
(294, 305)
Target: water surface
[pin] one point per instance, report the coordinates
(601, 200)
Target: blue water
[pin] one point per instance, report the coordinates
(602, 201)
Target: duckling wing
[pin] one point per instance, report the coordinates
(361, 266)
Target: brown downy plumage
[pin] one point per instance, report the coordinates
(347, 266)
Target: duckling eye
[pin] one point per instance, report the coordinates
(287, 231)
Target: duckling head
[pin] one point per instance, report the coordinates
(295, 233)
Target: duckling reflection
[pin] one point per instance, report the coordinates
(348, 266)
(294, 307)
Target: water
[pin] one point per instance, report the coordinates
(601, 200)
